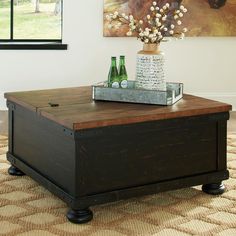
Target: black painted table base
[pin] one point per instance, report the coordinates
(98, 165)
(85, 215)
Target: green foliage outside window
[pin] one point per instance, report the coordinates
(33, 20)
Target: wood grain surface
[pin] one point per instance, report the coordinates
(41, 98)
(76, 109)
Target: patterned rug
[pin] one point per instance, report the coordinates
(26, 208)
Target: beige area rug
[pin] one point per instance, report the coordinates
(26, 208)
(3, 143)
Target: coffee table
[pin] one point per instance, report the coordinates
(89, 153)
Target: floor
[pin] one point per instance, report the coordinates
(232, 123)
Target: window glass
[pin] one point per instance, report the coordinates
(37, 19)
(5, 19)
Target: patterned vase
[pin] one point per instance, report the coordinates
(150, 68)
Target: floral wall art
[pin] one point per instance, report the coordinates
(204, 17)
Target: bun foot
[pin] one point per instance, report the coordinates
(79, 216)
(213, 189)
(15, 171)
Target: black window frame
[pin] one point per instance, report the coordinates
(11, 43)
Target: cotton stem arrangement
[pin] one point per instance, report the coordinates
(160, 23)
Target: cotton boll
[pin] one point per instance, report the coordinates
(179, 22)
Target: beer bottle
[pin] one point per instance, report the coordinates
(113, 77)
(123, 73)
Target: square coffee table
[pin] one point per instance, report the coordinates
(89, 153)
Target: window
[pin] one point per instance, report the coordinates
(31, 21)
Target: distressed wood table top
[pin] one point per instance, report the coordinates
(74, 108)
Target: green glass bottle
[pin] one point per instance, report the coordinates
(113, 77)
(123, 73)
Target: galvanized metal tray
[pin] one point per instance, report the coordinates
(174, 93)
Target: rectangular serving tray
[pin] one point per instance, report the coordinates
(174, 93)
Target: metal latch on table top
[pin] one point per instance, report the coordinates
(53, 104)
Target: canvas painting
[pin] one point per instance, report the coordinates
(204, 17)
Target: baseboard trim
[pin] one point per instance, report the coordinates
(229, 98)
(3, 122)
(2, 101)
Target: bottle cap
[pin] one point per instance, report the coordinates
(122, 56)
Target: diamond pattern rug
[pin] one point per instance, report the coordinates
(27, 209)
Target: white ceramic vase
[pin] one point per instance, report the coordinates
(150, 72)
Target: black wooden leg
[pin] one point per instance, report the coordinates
(80, 216)
(213, 189)
(15, 171)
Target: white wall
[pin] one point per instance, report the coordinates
(206, 66)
